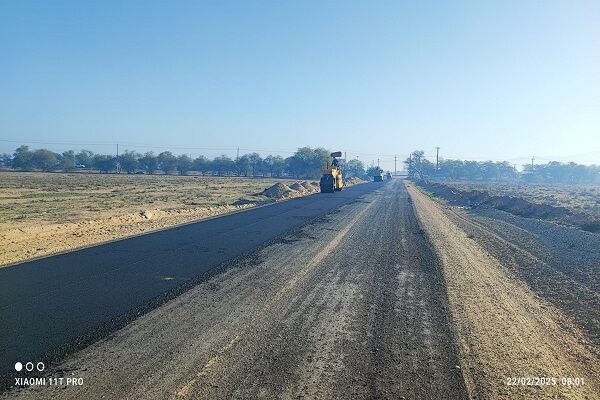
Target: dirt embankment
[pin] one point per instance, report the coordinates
(512, 343)
(512, 204)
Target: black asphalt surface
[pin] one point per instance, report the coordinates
(53, 302)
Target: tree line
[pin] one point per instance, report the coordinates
(306, 162)
(419, 167)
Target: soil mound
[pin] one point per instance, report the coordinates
(297, 186)
(277, 191)
(307, 185)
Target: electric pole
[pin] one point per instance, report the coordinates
(378, 163)
(395, 172)
(237, 156)
(437, 158)
(532, 158)
(117, 158)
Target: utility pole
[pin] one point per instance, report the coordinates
(532, 158)
(395, 171)
(117, 158)
(237, 156)
(345, 159)
(378, 163)
(437, 158)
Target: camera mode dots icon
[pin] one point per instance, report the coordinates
(18, 366)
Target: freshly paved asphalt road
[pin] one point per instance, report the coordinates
(50, 304)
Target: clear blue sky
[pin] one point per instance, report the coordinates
(480, 79)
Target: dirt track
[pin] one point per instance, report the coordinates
(350, 306)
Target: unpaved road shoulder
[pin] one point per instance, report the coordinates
(504, 330)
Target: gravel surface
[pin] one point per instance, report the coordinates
(516, 316)
(352, 305)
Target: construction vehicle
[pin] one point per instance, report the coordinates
(378, 175)
(388, 176)
(332, 181)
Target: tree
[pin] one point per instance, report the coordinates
(5, 160)
(223, 164)
(274, 165)
(67, 161)
(84, 157)
(148, 162)
(354, 168)
(184, 164)
(201, 164)
(129, 161)
(242, 165)
(22, 158)
(167, 162)
(255, 161)
(307, 162)
(104, 163)
(44, 159)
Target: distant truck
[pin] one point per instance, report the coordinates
(378, 175)
(388, 176)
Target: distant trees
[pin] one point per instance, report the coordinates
(553, 172)
(561, 172)
(84, 157)
(201, 164)
(222, 165)
(274, 165)
(129, 161)
(305, 163)
(67, 162)
(354, 168)
(104, 163)
(167, 162)
(418, 166)
(149, 163)
(22, 158)
(45, 160)
(184, 164)
(5, 160)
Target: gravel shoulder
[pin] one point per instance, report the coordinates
(352, 305)
(505, 329)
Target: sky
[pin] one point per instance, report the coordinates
(499, 80)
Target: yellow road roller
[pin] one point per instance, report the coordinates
(332, 181)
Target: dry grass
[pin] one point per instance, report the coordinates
(44, 213)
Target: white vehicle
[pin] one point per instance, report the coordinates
(78, 165)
